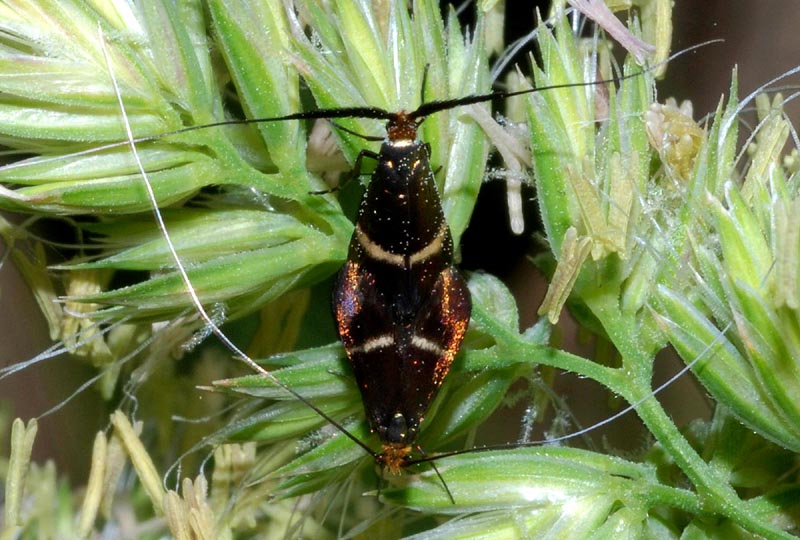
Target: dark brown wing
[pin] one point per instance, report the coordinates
(399, 366)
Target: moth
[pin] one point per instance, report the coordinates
(401, 307)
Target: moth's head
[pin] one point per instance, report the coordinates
(402, 127)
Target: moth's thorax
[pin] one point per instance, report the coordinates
(401, 212)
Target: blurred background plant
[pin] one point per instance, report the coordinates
(658, 231)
